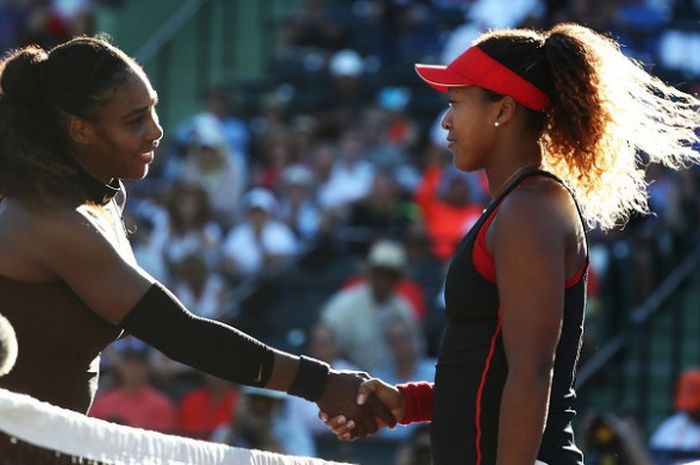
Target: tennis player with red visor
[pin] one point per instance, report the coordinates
(556, 129)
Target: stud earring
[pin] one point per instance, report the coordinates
(496, 124)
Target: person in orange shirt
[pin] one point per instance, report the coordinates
(206, 408)
(135, 401)
(447, 206)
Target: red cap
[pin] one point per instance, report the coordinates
(688, 393)
(475, 67)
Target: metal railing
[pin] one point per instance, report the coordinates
(631, 367)
(165, 34)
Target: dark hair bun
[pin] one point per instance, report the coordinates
(23, 74)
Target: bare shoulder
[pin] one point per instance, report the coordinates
(541, 203)
(32, 237)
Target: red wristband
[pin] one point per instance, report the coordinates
(419, 402)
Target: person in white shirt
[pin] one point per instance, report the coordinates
(677, 439)
(261, 241)
(356, 314)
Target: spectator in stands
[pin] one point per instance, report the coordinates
(321, 162)
(356, 314)
(409, 363)
(380, 213)
(298, 209)
(447, 204)
(8, 346)
(402, 131)
(135, 401)
(149, 231)
(48, 22)
(407, 289)
(204, 409)
(313, 26)
(351, 176)
(377, 147)
(341, 101)
(637, 25)
(261, 242)
(191, 227)
(407, 346)
(277, 155)
(269, 122)
(209, 162)
(677, 438)
(200, 288)
(303, 135)
(261, 422)
(218, 102)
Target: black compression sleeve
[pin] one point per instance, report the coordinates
(213, 347)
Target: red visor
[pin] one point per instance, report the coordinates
(476, 68)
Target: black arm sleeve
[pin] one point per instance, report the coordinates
(160, 320)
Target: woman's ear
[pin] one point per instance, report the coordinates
(506, 110)
(79, 130)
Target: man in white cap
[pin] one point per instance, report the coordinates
(356, 314)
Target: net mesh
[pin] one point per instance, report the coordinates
(37, 433)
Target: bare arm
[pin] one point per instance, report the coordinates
(117, 289)
(78, 252)
(528, 240)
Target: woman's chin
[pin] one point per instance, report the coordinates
(136, 174)
(464, 165)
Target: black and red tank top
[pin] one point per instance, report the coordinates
(472, 368)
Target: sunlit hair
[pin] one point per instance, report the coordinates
(608, 116)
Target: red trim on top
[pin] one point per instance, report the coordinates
(485, 266)
(481, 257)
(482, 383)
(476, 67)
(574, 280)
(483, 260)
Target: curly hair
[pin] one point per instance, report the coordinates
(37, 90)
(608, 117)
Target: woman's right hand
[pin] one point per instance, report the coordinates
(389, 395)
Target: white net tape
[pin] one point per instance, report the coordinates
(25, 419)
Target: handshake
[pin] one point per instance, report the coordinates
(353, 405)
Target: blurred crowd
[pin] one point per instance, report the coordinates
(47, 22)
(342, 159)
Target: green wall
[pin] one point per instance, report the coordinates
(224, 42)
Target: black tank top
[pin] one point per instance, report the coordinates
(472, 369)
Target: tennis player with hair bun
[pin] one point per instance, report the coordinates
(558, 120)
(74, 121)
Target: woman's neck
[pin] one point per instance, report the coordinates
(510, 164)
(81, 160)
